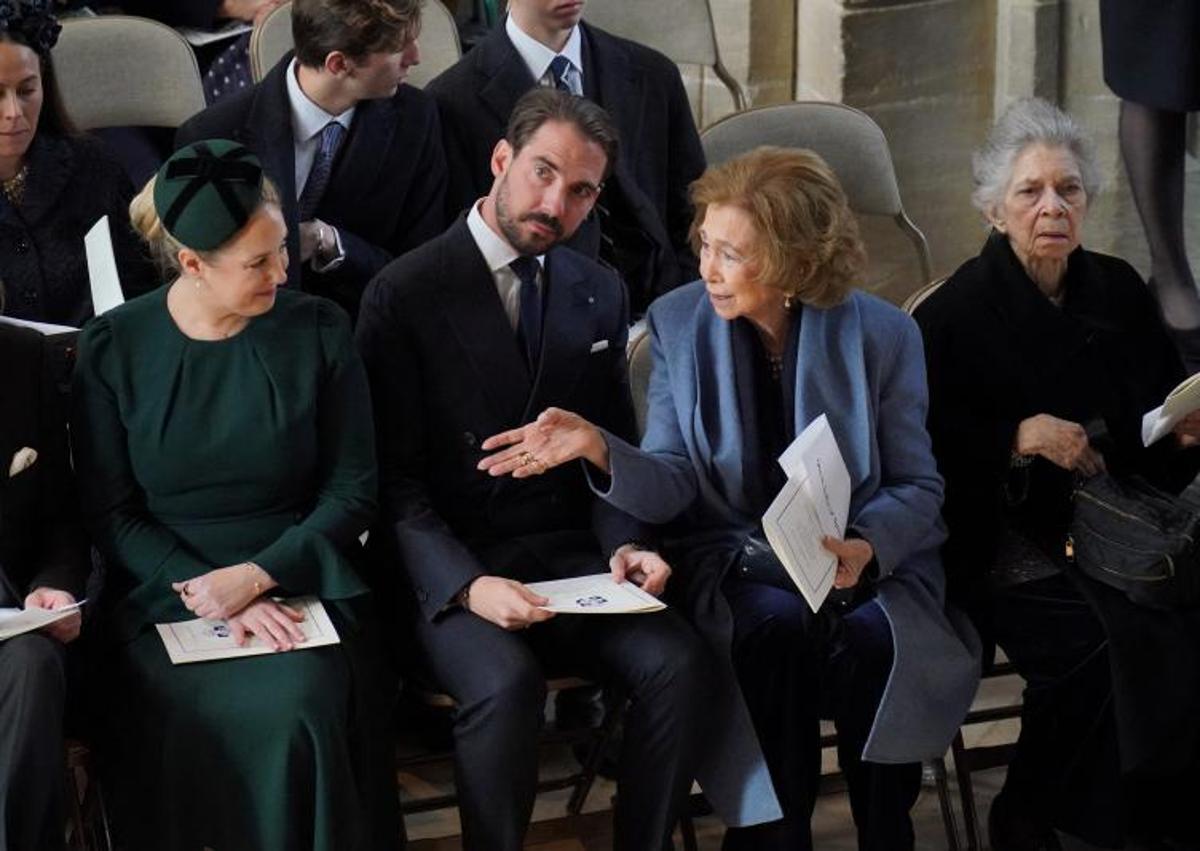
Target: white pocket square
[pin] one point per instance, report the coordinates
(599, 346)
(22, 461)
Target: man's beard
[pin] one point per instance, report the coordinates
(510, 227)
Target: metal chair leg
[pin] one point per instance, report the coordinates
(945, 804)
(966, 793)
(613, 705)
(687, 830)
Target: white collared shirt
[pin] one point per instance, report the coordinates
(308, 120)
(497, 253)
(538, 57)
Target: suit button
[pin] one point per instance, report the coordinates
(470, 439)
(22, 245)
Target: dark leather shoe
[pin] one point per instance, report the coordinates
(1011, 829)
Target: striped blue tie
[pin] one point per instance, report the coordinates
(322, 168)
(559, 66)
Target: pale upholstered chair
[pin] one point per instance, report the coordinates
(848, 139)
(681, 30)
(637, 352)
(915, 300)
(440, 47)
(270, 40)
(121, 71)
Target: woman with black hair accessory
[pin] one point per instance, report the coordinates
(54, 183)
(226, 457)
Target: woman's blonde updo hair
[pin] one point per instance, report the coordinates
(808, 244)
(164, 248)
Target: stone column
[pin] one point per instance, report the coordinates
(925, 71)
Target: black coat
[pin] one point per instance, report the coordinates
(387, 191)
(446, 373)
(72, 182)
(998, 351)
(660, 153)
(41, 537)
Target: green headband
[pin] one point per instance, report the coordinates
(206, 192)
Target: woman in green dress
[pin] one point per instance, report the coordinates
(224, 444)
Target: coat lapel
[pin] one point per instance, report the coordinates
(268, 132)
(831, 379)
(481, 327)
(506, 74)
(718, 431)
(359, 163)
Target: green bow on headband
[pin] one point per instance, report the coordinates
(206, 192)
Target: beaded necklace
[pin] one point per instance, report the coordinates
(14, 187)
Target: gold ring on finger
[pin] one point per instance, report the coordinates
(526, 458)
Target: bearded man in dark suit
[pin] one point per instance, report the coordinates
(468, 336)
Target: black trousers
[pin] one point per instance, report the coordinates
(794, 668)
(497, 679)
(1066, 772)
(33, 687)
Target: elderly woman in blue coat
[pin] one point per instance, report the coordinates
(743, 360)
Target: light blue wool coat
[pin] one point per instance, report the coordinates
(861, 364)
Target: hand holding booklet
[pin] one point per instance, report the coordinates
(595, 595)
(1180, 402)
(814, 503)
(203, 640)
(14, 622)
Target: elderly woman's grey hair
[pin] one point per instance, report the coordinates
(1029, 121)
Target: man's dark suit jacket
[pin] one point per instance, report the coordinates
(642, 91)
(41, 539)
(387, 191)
(446, 373)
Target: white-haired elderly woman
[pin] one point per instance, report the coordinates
(1042, 358)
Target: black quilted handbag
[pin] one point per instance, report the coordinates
(1138, 539)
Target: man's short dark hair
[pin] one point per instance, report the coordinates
(356, 28)
(542, 104)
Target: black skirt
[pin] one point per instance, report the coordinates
(1152, 51)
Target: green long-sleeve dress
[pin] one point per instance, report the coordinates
(197, 454)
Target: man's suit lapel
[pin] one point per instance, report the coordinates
(567, 333)
(360, 160)
(268, 132)
(611, 79)
(506, 74)
(481, 327)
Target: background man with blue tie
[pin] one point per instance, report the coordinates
(356, 154)
(468, 336)
(641, 226)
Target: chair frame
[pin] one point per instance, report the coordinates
(899, 216)
(579, 782)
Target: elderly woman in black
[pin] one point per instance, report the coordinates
(1042, 358)
(54, 183)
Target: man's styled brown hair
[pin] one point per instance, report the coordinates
(808, 244)
(542, 104)
(356, 28)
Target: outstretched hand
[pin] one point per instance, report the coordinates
(554, 438)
